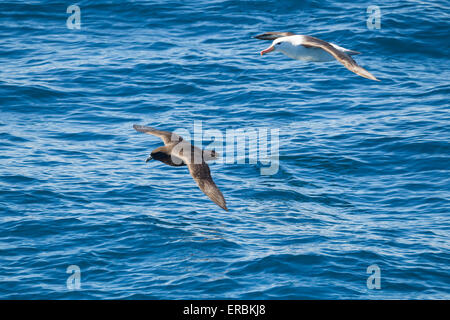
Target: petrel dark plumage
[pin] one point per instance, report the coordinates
(178, 152)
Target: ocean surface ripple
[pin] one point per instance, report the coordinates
(363, 173)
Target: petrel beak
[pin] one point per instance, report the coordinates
(269, 49)
(148, 159)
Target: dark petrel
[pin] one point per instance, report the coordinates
(178, 152)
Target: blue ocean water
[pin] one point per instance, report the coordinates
(363, 175)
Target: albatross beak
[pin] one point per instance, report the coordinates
(148, 159)
(269, 49)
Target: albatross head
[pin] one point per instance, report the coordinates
(281, 44)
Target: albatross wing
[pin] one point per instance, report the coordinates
(273, 35)
(340, 56)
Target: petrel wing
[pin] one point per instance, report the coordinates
(202, 176)
(199, 170)
(166, 136)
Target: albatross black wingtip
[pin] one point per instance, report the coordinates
(273, 35)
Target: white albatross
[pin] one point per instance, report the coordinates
(310, 49)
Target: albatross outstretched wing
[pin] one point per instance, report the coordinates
(273, 35)
(166, 136)
(340, 56)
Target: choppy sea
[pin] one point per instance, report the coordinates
(362, 189)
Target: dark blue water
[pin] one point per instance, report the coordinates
(363, 173)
